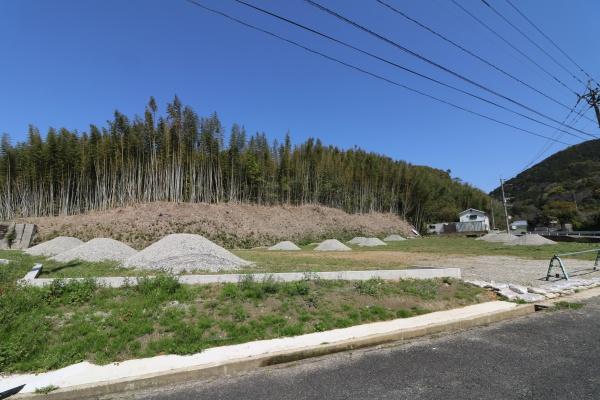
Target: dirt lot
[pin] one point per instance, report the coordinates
(231, 225)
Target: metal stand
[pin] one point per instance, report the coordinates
(560, 265)
(556, 258)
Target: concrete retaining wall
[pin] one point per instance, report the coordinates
(420, 273)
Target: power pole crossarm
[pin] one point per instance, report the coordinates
(593, 99)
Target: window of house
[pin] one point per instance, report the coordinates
(472, 217)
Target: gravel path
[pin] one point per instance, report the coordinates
(510, 269)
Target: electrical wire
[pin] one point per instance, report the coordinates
(359, 69)
(406, 69)
(437, 65)
(550, 56)
(531, 60)
(549, 39)
(471, 53)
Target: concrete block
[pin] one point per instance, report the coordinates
(531, 297)
(518, 288)
(509, 294)
(537, 290)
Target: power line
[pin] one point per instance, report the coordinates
(359, 69)
(406, 69)
(548, 145)
(462, 48)
(437, 65)
(512, 46)
(498, 13)
(549, 39)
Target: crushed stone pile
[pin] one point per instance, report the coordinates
(497, 237)
(393, 238)
(332, 245)
(186, 252)
(99, 249)
(357, 240)
(530, 240)
(285, 246)
(372, 242)
(55, 246)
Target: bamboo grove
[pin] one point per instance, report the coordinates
(181, 157)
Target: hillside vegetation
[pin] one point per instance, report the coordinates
(565, 186)
(181, 157)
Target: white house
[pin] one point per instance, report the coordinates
(473, 220)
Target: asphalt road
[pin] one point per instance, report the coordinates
(549, 355)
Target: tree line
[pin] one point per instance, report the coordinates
(181, 157)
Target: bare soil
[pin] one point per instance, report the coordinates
(230, 225)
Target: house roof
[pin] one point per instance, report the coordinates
(519, 222)
(472, 210)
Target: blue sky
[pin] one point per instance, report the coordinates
(72, 63)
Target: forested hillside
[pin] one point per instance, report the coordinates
(565, 186)
(181, 157)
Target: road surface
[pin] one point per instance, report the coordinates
(549, 355)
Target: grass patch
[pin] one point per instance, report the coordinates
(64, 323)
(565, 305)
(46, 389)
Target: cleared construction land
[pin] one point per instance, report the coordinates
(54, 326)
(229, 225)
(478, 259)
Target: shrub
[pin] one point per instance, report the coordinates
(297, 288)
(371, 287)
(161, 286)
(70, 292)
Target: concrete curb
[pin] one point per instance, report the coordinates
(252, 363)
(32, 279)
(583, 295)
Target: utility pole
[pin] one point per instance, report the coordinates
(493, 218)
(505, 207)
(592, 96)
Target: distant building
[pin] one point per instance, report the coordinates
(436, 228)
(519, 227)
(470, 221)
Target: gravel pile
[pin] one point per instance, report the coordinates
(393, 238)
(530, 240)
(99, 249)
(186, 252)
(497, 237)
(372, 242)
(332, 245)
(357, 240)
(285, 246)
(55, 246)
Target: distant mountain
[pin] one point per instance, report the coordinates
(565, 186)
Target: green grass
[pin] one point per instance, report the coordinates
(22, 263)
(46, 389)
(565, 305)
(51, 327)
